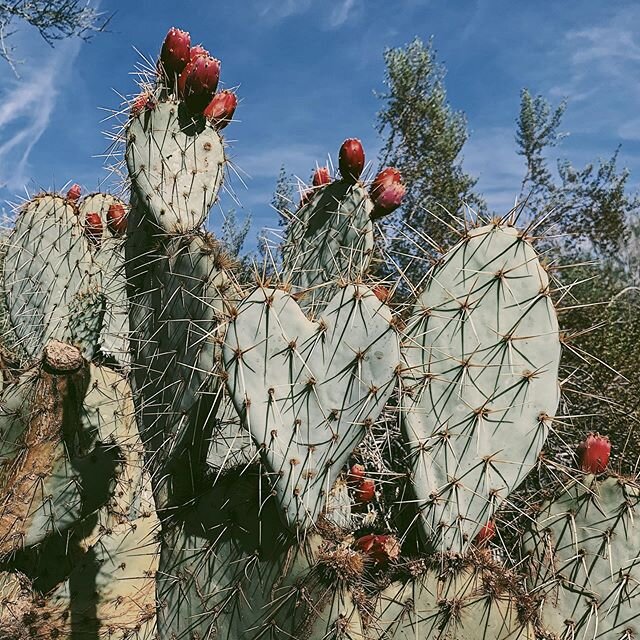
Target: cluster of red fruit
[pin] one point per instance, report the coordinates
(386, 190)
(193, 74)
(93, 227)
(364, 489)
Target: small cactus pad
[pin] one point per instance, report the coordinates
(463, 603)
(307, 390)
(328, 239)
(482, 354)
(47, 269)
(176, 165)
(584, 559)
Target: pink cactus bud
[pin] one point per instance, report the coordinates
(201, 82)
(594, 452)
(356, 473)
(73, 195)
(117, 219)
(176, 51)
(486, 534)
(144, 101)
(351, 160)
(321, 176)
(388, 200)
(381, 292)
(366, 491)
(221, 109)
(384, 179)
(93, 227)
(380, 548)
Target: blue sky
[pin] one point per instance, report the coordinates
(307, 72)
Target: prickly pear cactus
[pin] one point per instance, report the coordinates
(480, 384)
(307, 390)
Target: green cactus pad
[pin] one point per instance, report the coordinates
(47, 271)
(584, 560)
(328, 239)
(458, 604)
(307, 390)
(176, 166)
(482, 352)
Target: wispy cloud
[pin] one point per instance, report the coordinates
(341, 11)
(26, 107)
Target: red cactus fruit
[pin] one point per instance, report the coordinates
(176, 51)
(117, 219)
(73, 195)
(143, 101)
(201, 82)
(366, 491)
(321, 176)
(221, 109)
(196, 51)
(485, 534)
(381, 292)
(594, 452)
(381, 548)
(356, 473)
(388, 200)
(351, 160)
(385, 178)
(93, 227)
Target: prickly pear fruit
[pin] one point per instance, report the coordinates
(201, 82)
(485, 534)
(381, 292)
(141, 102)
(380, 548)
(351, 160)
(366, 491)
(356, 473)
(117, 219)
(196, 51)
(176, 51)
(93, 227)
(321, 176)
(594, 452)
(388, 200)
(221, 109)
(385, 178)
(73, 195)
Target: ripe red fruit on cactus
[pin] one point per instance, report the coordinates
(351, 160)
(381, 548)
(221, 109)
(321, 176)
(196, 51)
(73, 195)
(93, 227)
(594, 453)
(388, 200)
(176, 51)
(485, 534)
(381, 292)
(384, 179)
(366, 490)
(356, 473)
(201, 82)
(117, 219)
(143, 101)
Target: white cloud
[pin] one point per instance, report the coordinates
(341, 12)
(26, 107)
(276, 10)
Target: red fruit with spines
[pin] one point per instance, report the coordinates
(385, 178)
(356, 473)
(351, 160)
(93, 227)
(196, 52)
(485, 534)
(117, 219)
(594, 452)
(321, 176)
(221, 109)
(143, 101)
(176, 52)
(381, 292)
(201, 83)
(366, 491)
(381, 548)
(73, 195)
(388, 200)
